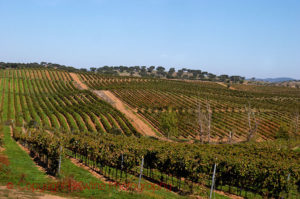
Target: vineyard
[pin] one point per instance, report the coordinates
(48, 99)
(52, 117)
(150, 97)
(266, 169)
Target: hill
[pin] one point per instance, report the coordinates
(74, 133)
(275, 80)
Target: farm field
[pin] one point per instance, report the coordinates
(152, 99)
(61, 123)
(273, 106)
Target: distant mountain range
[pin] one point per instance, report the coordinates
(274, 80)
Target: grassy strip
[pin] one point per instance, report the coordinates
(80, 175)
(150, 189)
(20, 164)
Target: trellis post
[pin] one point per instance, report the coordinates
(213, 181)
(59, 162)
(141, 172)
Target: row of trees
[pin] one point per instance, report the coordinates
(4, 65)
(144, 71)
(161, 72)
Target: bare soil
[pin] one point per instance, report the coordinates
(47, 75)
(79, 84)
(137, 122)
(223, 84)
(20, 194)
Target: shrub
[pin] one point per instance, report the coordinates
(282, 133)
(115, 131)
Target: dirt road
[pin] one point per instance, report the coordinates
(8, 192)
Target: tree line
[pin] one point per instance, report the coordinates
(142, 71)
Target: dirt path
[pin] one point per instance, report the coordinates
(136, 121)
(223, 84)
(78, 83)
(109, 97)
(22, 194)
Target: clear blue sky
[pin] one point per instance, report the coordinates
(258, 38)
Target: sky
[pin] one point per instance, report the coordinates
(251, 38)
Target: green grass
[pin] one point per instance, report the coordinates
(68, 169)
(20, 164)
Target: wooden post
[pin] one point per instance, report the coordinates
(209, 120)
(59, 162)
(122, 160)
(213, 181)
(141, 172)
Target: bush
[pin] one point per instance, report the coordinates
(282, 133)
(115, 131)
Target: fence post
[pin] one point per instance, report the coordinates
(122, 165)
(59, 162)
(141, 172)
(213, 181)
(288, 179)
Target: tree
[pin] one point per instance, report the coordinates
(93, 69)
(282, 132)
(136, 68)
(223, 78)
(160, 70)
(151, 68)
(169, 123)
(204, 121)
(179, 73)
(251, 120)
(211, 76)
(143, 71)
(171, 72)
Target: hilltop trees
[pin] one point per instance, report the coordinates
(171, 72)
(151, 68)
(142, 71)
(93, 69)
